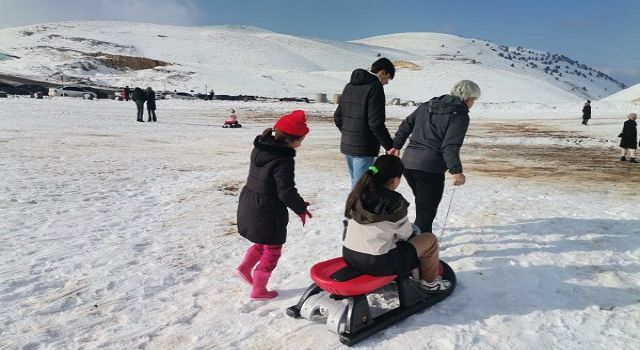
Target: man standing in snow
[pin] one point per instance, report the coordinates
(138, 96)
(360, 117)
(437, 131)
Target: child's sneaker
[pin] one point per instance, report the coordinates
(437, 286)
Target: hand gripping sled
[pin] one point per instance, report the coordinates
(338, 296)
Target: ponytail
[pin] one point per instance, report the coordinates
(267, 132)
(385, 168)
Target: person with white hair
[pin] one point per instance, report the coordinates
(629, 138)
(436, 131)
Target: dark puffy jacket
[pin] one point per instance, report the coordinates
(360, 116)
(138, 95)
(629, 135)
(586, 112)
(270, 189)
(375, 241)
(437, 130)
(150, 96)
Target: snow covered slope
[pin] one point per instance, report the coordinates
(254, 61)
(508, 63)
(629, 94)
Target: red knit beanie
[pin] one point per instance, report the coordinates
(294, 124)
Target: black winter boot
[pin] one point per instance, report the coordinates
(623, 159)
(632, 160)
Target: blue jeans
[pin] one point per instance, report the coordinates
(358, 166)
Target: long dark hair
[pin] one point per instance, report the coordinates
(366, 190)
(280, 137)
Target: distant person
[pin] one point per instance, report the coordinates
(138, 96)
(151, 104)
(436, 131)
(360, 117)
(270, 189)
(629, 138)
(232, 121)
(586, 113)
(126, 92)
(210, 96)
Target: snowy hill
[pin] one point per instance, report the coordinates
(249, 60)
(507, 62)
(629, 94)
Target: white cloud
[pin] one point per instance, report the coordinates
(173, 12)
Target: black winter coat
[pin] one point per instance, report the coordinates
(360, 116)
(437, 130)
(270, 189)
(151, 99)
(586, 112)
(138, 95)
(629, 135)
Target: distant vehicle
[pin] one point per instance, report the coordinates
(235, 98)
(32, 89)
(161, 95)
(181, 96)
(9, 89)
(202, 96)
(99, 93)
(72, 91)
(118, 95)
(294, 99)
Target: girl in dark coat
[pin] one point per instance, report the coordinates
(270, 189)
(151, 104)
(629, 141)
(586, 112)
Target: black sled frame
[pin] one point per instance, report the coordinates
(359, 323)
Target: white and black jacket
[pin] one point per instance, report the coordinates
(375, 241)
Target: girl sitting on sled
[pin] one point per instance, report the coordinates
(379, 234)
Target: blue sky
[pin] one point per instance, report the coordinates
(602, 34)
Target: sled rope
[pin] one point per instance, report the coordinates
(444, 226)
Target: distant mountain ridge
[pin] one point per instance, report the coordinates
(237, 59)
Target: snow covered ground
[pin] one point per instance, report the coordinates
(121, 235)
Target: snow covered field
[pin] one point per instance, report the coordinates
(121, 235)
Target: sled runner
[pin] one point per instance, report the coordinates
(338, 297)
(232, 126)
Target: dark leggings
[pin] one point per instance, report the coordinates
(151, 112)
(427, 189)
(140, 105)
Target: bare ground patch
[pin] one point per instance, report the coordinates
(507, 149)
(578, 160)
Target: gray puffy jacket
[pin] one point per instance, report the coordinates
(437, 130)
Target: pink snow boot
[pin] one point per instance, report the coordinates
(251, 258)
(260, 292)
